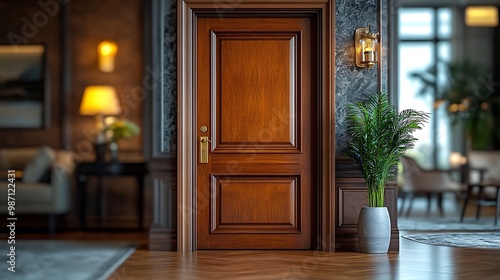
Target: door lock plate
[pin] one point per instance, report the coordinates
(204, 149)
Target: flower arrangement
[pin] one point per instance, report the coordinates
(122, 129)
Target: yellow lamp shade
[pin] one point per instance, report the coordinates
(99, 100)
(481, 16)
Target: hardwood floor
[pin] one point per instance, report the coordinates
(413, 261)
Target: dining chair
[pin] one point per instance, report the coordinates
(426, 182)
(485, 189)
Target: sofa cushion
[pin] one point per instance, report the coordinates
(39, 165)
(27, 193)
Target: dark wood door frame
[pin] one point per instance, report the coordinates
(188, 11)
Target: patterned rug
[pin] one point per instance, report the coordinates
(447, 224)
(490, 240)
(62, 259)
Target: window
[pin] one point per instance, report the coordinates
(424, 42)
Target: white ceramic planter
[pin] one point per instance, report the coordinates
(374, 229)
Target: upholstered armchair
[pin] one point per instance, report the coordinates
(421, 182)
(42, 185)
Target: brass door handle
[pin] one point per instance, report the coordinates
(204, 149)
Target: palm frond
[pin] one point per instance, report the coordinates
(378, 136)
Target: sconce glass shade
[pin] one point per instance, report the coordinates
(106, 51)
(367, 47)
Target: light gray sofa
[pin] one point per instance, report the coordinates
(50, 197)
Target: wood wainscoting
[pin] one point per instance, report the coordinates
(351, 196)
(163, 231)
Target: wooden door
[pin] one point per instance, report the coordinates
(255, 96)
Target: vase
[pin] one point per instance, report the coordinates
(374, 230)
(100, 151)
(113, 151)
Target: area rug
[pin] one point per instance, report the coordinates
(62, 259)
(447, 224)
(490, 240)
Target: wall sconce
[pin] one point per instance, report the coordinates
(99, 101)
(106, 51)
(481, 16)
(367, 47)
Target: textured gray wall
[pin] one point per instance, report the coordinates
(351, 83)
(169, 98)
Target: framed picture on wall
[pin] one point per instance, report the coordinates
(23, 86)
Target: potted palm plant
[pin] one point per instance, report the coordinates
(378, 136)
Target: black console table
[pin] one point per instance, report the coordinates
(109, 169)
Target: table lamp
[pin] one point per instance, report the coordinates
(99, 101)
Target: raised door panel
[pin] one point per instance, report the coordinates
(255, 204)
(259, 109)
